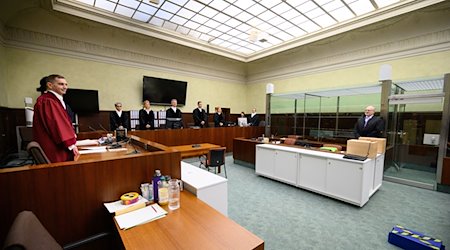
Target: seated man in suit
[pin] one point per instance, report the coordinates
(146, 117)
(254, 118)
(219, 120)
(174, 116)
(369, 125)
(117, 118)
(199, 115)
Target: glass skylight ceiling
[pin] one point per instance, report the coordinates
(243, 26)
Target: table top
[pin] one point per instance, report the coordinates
(195, 225)
(190, 151)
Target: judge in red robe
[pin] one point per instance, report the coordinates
(52, 127)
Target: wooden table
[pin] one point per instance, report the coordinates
(190, 151)
(194, 225)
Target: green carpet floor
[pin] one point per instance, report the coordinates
(286, 217)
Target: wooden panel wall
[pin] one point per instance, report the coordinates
(221, 136)
(68, 197)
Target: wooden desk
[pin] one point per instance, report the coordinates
(194, 225)
(189, 151)
(245, 150)
(68, 197)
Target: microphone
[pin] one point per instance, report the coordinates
(91, 128)
(104, 129)
(135, 151)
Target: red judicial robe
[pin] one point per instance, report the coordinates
(52, 128)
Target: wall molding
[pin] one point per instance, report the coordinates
(413, 46)
(47, 43)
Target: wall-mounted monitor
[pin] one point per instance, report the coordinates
(82, 100)
(162, 91)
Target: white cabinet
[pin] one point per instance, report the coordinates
(265, 161)
(378, 176)
(322, 172)
(286, 166)
(312, 172)
(344, 179)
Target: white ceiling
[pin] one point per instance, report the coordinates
(245, 30)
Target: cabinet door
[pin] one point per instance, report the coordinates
(312, 172)
(344, 179)
(286, 166)
(379, 168)
(264, 162)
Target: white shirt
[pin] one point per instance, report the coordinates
(60, 98)
(148, 111)
(119, 113)
(174, 109)
(253, 114)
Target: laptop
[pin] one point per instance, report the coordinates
(242, 122)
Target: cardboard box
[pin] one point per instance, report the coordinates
(381, 143)
(362, 148)
(409, 239)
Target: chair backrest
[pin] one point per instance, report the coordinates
(216, 157)
(289, 141)
(26, 135)
(35, 150)
(27, 232)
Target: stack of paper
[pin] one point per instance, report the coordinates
(91, 150)
(140, 216)
(87, 142)
(115, 206)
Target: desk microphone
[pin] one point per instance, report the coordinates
(104, 129)
(135, 151)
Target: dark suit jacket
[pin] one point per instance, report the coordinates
(374, 127)
(254, 121)
(145, 119)
(115, 121)
(218, 118)
(199, 117)
(171, 114)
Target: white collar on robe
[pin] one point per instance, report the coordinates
(60, 98)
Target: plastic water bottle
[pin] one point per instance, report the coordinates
(156, 181)
(174, 194)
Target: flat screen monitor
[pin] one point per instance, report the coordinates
(242, 122)
(431, 139)
(162, 91)
(82, 100)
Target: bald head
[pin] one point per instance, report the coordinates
(369, 111)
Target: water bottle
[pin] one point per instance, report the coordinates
(174, 194)
(156, 181)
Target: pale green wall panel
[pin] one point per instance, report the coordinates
(423, 66)
(114, 82)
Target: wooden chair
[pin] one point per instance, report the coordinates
(215, 159)
(35, 150)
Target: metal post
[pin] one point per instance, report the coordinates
(386, 88)
(295, 117)
(445, 124)
(267, 130)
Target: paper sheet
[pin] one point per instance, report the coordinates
(117, 205)
(92, 151)
(87, 142)
(140, 216)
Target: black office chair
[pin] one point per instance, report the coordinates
(215, 159)
(27, 232)
(35, 150)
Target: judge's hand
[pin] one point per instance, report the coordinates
(76, 153)
(221, 124)
(147, 126)
(120, 127)
(202, 122)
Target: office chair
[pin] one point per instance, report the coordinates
(214, 159)
(28, 233)
(26, 136)
(289, 141)
(35, 150)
